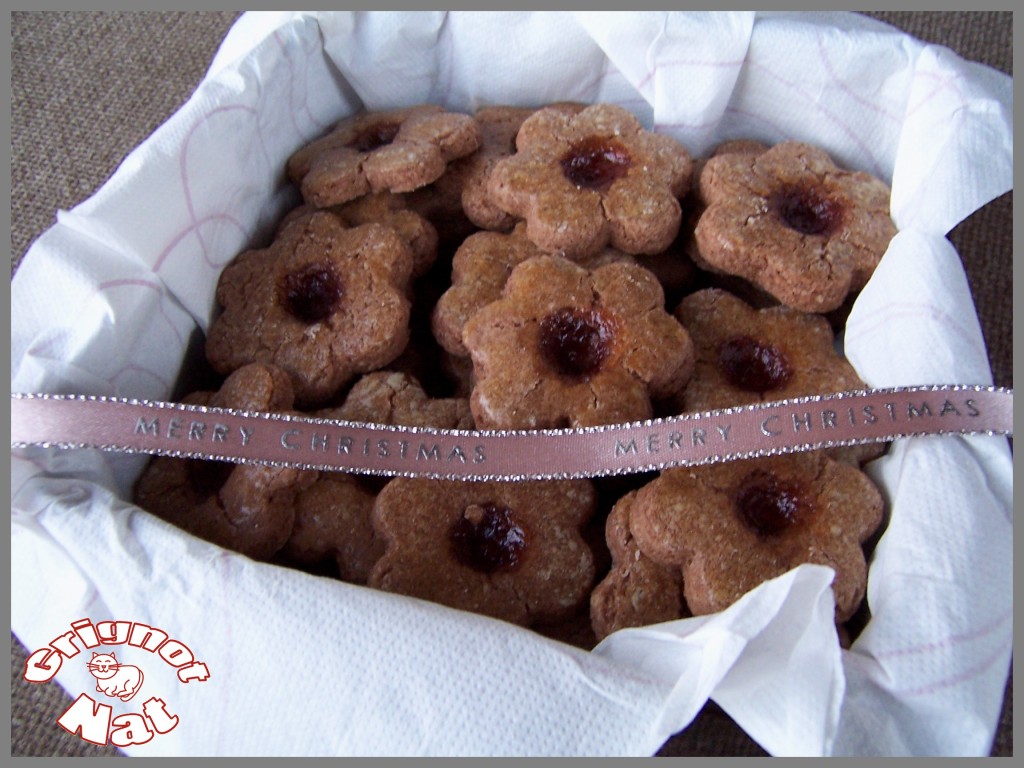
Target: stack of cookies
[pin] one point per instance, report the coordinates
(531, 268)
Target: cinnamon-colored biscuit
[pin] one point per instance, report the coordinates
(459, 202)
(332, 522)
(594, 178)
(729, 527)
(386, 209)
(694, 203)
(480, 269)
(499, 126)
(636, 591)
(323, 302)
(745, 355)
(395, 150)
(512, 551)
(389, 397)
(794, 223)
(332, 517)
(248, 508)
(565, 346)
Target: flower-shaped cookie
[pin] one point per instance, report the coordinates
(323, 302)
(746, 355)
(636, 591)
(390, 397)
(512, 551)
(332, 516)
(332, 524)
(459, 203)
(565, 346)
(732, 526)
(499, 126)
(480, 268)
(582, 181)
(793, 223)
(396, 150)
(389, 210)
(249, 508)
(694, 203)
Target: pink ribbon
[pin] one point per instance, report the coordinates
(807, 423)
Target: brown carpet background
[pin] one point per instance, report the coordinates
(88, 87)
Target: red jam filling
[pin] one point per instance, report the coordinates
(575, 342)
(807, 210)
(594, 163)
(768, 505)
(312, 294)
(753, 366)
(374, 137)
(488, 539)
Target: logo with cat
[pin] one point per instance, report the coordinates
(91, 717)
(120, 681)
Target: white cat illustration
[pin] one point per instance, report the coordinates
(114, 679)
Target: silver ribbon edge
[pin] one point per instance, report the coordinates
(550, 436)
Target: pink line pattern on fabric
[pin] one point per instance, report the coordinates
(735, 112)
(948, 642)
(694, 63)
(304, 106)
(863, 102)
(176, 240)
(943, 82)
(183, 168)
(128, 369)
(827, 114)
(971, 673)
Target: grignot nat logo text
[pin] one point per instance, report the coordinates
(94, 720)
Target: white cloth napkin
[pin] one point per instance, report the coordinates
(110, 299)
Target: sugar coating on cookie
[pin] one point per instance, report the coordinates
(512, 551)
(565, 346)
(248, 508)
(637, 591)
(733, 526)
(323, 301)
(586, 180)
(393, 150)
(794, 223)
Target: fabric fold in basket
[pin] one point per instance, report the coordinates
(111, 301)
